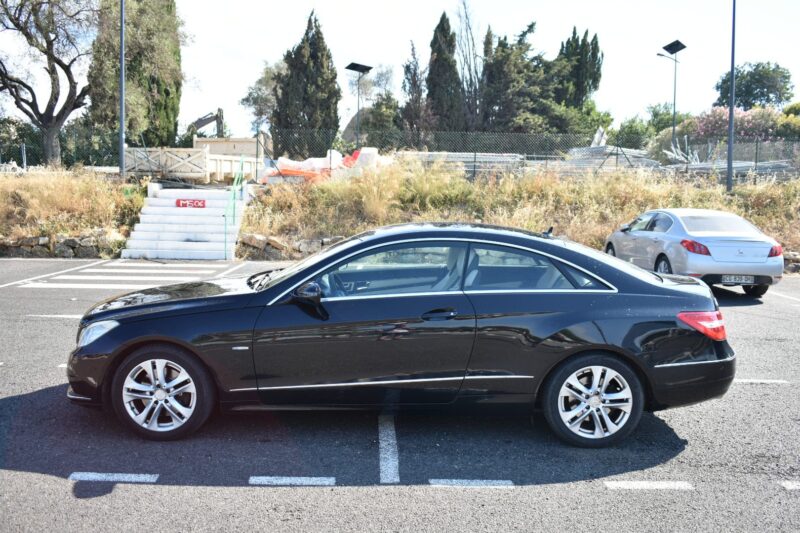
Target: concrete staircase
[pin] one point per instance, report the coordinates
(166, 230)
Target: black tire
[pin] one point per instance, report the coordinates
(756, 291)
(662, 260)
(551, 406)
(204, 396)
(610, 250)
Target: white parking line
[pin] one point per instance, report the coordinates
(277, 481)
(44, 285)
(762, 381)
(113, 477)
(387, 450)
(122, 264)
(56, 316)
(233, 269)
(791, 485)
(62, 365)
(785, 296)
(126, 278)
(472, 483)
(648, 485)
(152, 271)
(53, 273)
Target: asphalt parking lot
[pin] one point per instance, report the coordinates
(732, 463)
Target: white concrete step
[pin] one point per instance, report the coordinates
(208, 194)
(138, 235)
(136, 244)
(133, 253)
(185, 211)
(170, 202)
(218, 227)
(183, 219)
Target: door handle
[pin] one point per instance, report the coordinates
(440, 314)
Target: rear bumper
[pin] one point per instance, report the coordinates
(694, 382)
(716, 279)
(768, 272)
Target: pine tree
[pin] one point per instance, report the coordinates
(445, 94)
(306, 97)
(153, 71)
(584, 61)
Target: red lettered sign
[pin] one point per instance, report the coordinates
(189, 202)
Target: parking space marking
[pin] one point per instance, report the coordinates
(648, 485)
(56, 316)
(45, 285)
(233, 269)
(278, 481)
(149, 271)
(53, 273)
(791, 485)
(785, 296)
(126, 264)
(387, 444)
(62, 365)
(126, 277)
(472, 483)
(113, 477)
(762, 381)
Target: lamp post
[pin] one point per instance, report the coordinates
(122, 88)
(361, 69)
(672, 49)
(731, 103)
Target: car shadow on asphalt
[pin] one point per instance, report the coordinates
(730, 298)
(43, 433)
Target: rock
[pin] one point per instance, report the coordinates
(792, 257)
(30, 241)
(308, 246)
(63, 250)
(60, 238)
(256, 241)
(40, 251)
(72, 243)
(330, 240)
(44, 241)
(277, 243)
(792, 268)
(86, 252)
(88, 241)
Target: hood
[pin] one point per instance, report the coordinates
(213, 294)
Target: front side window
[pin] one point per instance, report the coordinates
(398, 269)
(501, 268)
(640, 224)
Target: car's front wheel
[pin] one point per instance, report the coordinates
(610, 250)
(663, 265)
(756, 291)
(162, 392)
(594, 400)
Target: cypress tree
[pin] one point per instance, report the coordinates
(445, 94)
(306, 97)
(584, 62)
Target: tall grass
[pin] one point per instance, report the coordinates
(585, 208)
(65, 202)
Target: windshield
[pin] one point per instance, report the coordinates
(718, 223)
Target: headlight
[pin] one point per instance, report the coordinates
(94, 331)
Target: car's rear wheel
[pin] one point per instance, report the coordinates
(756, 291)
(594, 400)
(610, 250)
(663, 266)
(162, 392)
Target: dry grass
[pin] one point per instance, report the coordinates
(65, 202)
(585, 208)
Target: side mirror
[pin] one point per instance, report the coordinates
(624, 227)
(310, 294)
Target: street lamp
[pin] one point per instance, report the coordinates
(122, 88)
(361, 69)
(731, 102)
(672, 49)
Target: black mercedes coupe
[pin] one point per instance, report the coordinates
(422, 315)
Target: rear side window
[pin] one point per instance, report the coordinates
(500, 268)
(661, 223)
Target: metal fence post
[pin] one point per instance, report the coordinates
(24, 154)
(474, 165)
(756, 165)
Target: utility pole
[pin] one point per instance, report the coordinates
(731, 102)
(122, 88)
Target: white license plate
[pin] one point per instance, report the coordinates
(738, 279)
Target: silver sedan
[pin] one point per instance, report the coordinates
(718, 247)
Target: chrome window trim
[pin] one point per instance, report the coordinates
(537, 291)
(392, 295)
(612, 289)
(690, 363)
(380, 382)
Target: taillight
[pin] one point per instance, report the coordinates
(709, 323)
(776, 250)
(695, 247)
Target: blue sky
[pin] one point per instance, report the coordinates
(230, 41)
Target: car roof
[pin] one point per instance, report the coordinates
(452, 229)
(688, 211)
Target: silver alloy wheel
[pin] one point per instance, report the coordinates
(662, 267)
(159, 395)
(595, 402)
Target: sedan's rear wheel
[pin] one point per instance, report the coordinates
(593, 401)
(756, 291)
(663, 265)
(610, 250)
(162, 393)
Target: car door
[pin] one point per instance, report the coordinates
(640, 235)
(627, 247)
(530, 309)
(654, 242)
(393, 327)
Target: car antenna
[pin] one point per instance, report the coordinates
(549, 232)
